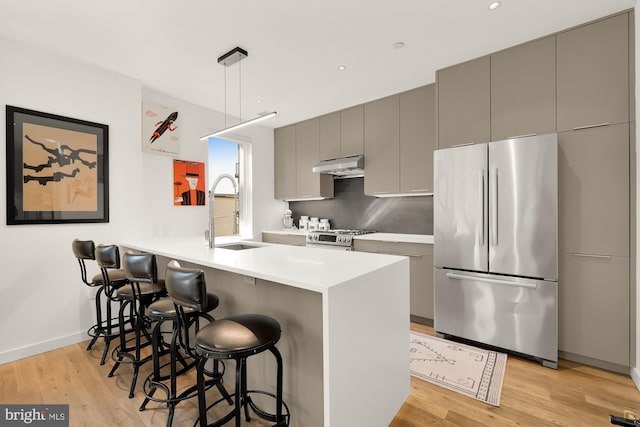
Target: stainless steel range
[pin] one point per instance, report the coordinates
(334, 239)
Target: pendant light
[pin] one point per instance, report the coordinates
(235, 55)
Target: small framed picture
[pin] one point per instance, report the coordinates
(57, 169)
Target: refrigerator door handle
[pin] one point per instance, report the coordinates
(492, 281)
(494, 209)
(482, 197)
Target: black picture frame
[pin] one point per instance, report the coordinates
(57, 169)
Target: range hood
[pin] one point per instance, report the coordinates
(344, 167)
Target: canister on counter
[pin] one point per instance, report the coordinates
(303, 224)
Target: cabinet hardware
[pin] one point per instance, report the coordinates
(492, 281)
(421, 190)
(462, 145)
(592, 255)
(380, 192)
(522, 136)
(409, 255)
(597, 125)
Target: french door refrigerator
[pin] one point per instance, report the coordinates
(495, 214)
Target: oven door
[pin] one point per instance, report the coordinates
(329, 246)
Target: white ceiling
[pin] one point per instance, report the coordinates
(294, 46)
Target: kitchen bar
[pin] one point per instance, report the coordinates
(345, 321)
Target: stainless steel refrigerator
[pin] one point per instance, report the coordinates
(495, 214)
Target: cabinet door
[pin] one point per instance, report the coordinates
(285, 162)
(417, 139)
(593, 307)
(330, 136)
(310, 184)
(593, 74)
(284, 239)
(593, 190)
(381, 146)
(352, 131)
(420, 271)
(523, 90)
(464, 103)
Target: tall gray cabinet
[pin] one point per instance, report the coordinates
(579, 83)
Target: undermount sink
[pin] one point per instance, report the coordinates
(238, 246)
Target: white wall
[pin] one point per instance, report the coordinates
(635, 371)
(43, 303)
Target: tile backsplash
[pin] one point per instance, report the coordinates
(351, 208)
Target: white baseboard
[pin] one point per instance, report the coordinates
(42, 347)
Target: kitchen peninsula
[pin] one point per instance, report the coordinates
(344, 318)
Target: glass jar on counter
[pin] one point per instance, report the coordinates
(324, 225)
(303, 224)
(313, 224)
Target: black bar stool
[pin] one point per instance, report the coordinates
(238, 337)
(143, 289)
(84, 250)
(179, 349)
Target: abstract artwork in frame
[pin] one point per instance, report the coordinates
(57, 169)
(160, 133)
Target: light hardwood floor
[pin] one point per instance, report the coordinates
(573, 395)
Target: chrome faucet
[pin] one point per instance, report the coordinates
(212, 190)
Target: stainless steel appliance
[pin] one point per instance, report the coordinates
(334, 239)
(496, 253)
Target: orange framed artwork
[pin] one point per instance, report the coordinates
(57, 169)
(188, 183)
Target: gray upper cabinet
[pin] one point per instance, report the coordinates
(330, 136)
(593, 190)
(632, 67)
(382, 139)
(417, 139)
(464, 103)
(308, 183)
(352, 131)
(523, 90)
(285, 162)
(296, 151)
(342, 133)
(593, 74)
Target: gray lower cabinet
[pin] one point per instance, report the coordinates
(593, 73)
(593, 307)
(421, 271)
(284, 239)
(593, 190)
(464, 100)
(523, 90)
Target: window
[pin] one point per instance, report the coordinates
(231, 202)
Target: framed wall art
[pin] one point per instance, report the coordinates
(188, 183)
(160, 129)
(57, 169)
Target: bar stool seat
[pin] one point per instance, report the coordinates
(239, 337)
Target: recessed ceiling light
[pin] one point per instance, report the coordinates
(342, 67)
(259, 101)
(398, 45)
(494, 5)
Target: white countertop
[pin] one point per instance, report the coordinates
(396, 237)
(382, 237)
(306, 268)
